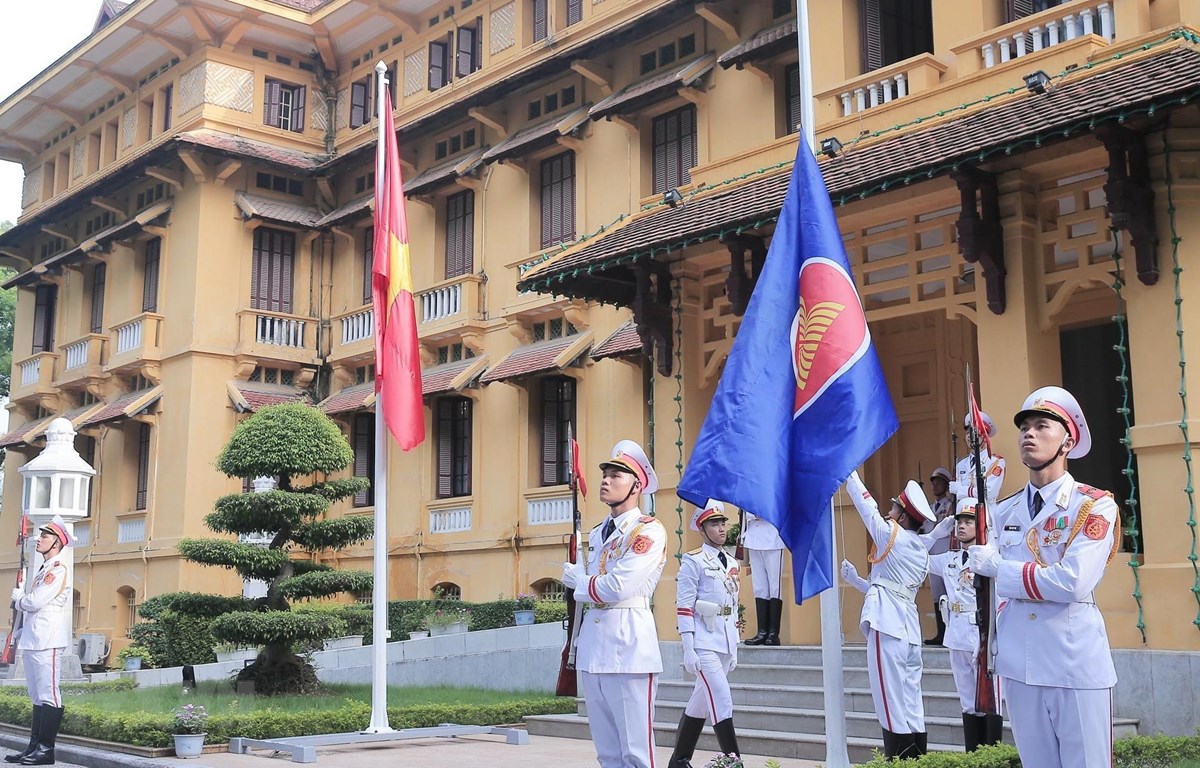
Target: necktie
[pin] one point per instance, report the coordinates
(1037, 505)
(724, 562)
(608, 529)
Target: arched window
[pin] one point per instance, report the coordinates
(76, 610)
(126, 610)
(550, 589)
(447, 590)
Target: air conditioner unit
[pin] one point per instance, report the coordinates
(93, 648)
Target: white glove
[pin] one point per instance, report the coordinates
(960, 490)
(17, 594)
(854, 485)
(983, 559)
(849, 572)
(944, 528)
(733, 663)
(691, 660)
(572, 574)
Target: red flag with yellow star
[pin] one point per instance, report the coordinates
(397, 355)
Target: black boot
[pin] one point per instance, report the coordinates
(686, 737)
(43, 754)
(776, 618)
(921, 739)
(726, 737)
(991, 728)
(941, 629)
(906, 746)
(972, 731)
(889, 744)
(34, 727)
(761, 607)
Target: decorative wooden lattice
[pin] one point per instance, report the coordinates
(78, 156)
(31, 189)
(229, 87)
(503, 26)
(191, 89)
(128, 127)
(718, 323)
(415, 72)
(1075, 246)
(318, 110)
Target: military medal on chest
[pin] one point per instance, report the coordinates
(1052, 531)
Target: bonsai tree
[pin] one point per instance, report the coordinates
(290, 442)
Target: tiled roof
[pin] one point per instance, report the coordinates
(125, 406)
(434, 177)
(351, 210)
(451, 377)
(762, 44)
(302, 5)
(76, 416)
(355, 398)
(1033, 120)
(251, 395)
(623, 341)
(636, 95)
(283, 211)
(26, 432)
(539, 357)
(259, 150)
(537, 135)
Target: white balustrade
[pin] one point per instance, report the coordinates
(129, 336)
(131, 529)
(440, 303)
(31, 371)
(882, 91)
(358, 326)
(279, 331)
(1096, 19)
(83, 534)
(449, 520)
(550, 511)
(76, 355)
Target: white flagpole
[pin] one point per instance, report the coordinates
(836, 755)
(379, 716)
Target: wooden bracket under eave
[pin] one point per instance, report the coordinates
(1130, 196)
(174, 178)
(489, 118)
(226, 170)
(980, 236)
(739, 285)
(195, 164)
(720, 18)
(50, 230)
(652, 314)
(599, 74)
(325, 189)
(110, 205)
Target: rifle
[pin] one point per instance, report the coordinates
(568, 684)
(9, 654)
(985, 687)
(739, 551)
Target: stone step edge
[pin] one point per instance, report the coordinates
(801, 689)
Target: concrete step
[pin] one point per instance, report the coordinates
(937, 703)
(810, 655)
(933, 679)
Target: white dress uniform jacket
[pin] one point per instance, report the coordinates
(1049, 630)
(702, 578)
(618, 632)
(993, 477)
(962, 632)
(760, 534)
(46, 622)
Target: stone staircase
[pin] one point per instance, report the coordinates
(778, 698)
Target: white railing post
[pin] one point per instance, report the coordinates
(886, 84)
(1005, 50)
(989, 56)
(901, 85)
(1069, 25)
(1019, 41)
(31, 371)
(847, 110)
(1087, 21)
(1052, 34)
(860, 99)
(1106, 21)
(1036, 32)
(873, 88)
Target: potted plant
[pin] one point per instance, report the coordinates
(133, 657)
(227, 652)
(346, 641)
(447, 621)
(418, 634)
(187, 724)
(523, 609)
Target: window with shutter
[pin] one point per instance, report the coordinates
(574, 12)
(167, 98)
(791, 97)
(460, 234)
(368, 262)
(99, 277)
(360, 102)
(44, 310)
(674, 136)
(439, 62)
(558, 411)
(558, 199)
(143, 466)
(871, 46)
(150, 275)
(541, 19)
(453, 447)
(89, 455)
(470, 48)
(272, 265)
(894, 30)
(283, 105)
(363, 436)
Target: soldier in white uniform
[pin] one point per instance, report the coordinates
(943, 507)
(993, 468)
(706, 600)
(766, 572)
(617, 656)
(899, 565)
(1054, 540)
(45, 635)
(957, 608)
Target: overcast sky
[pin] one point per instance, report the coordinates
(32, 36)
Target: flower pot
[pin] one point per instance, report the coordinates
(420, 633)
(133, 663)
(349, 641)
(237, 655)
(189, 744)
(448, 629)
(523, 617)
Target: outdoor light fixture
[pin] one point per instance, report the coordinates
(1037, 82)
(831, 147)
(672, 197)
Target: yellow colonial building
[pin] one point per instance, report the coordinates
(1015, 180)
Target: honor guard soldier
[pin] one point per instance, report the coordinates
(899, 564)
(993, 468)
(957, 608)
(1053, 541)
(706, 600)
(943, 507)
(45, 635)
(617, 657)
(766, 572)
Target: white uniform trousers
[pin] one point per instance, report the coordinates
(621, 717)
(766, 571)
(894, 668)
(1060, 727)
(42, 671)
(711, 697)
(962, 664)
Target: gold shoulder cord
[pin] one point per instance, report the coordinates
(632, 537)
(1031, 536)
(871, 558)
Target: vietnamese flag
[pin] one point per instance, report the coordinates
(397, 356)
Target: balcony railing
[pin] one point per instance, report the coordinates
(34, 375)
(1035, 33)
(358, 326)
(280, 331)
(136, 341)
(450, 305)
(440, 303)
(31, 371)
(84, 357)
(550, 511)
(277, 336)
(450, 520)
(880, 86)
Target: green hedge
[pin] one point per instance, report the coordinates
(1132, 752)
(153, 730)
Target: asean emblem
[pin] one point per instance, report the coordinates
(829, 333)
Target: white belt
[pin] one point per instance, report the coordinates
(632, 602)
(896, 588)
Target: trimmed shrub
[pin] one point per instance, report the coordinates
(550, 611)
(1133, 752)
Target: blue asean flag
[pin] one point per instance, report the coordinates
(802, 400)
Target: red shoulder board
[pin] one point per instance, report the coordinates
(1095, 527)
(641, 545)
(646, 519)
(1094, 493)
